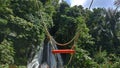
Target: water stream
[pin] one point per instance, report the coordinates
(44, 58)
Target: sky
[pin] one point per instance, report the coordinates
(96, 3)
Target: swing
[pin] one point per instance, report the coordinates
(63, 51)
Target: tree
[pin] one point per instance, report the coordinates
(21, 23)
(112, 18)
(117, 4)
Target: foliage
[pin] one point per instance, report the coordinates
(22, 31)
(82, 59)
(100, 57)
(4, 66)
(6, 52)
(24, 27)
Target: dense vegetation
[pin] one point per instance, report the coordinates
(22, 31)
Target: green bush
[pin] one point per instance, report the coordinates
(82, 59)
(6, 52)
(4, 66)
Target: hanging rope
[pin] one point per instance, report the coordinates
(71, 57)
(75, 37)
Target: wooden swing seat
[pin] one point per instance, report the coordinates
(64, 51)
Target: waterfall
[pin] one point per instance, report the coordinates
(44, 58)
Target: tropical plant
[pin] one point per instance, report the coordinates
(6, 52)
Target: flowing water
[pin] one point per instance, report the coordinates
(45, 58)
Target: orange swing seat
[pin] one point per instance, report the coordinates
(65, 51)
